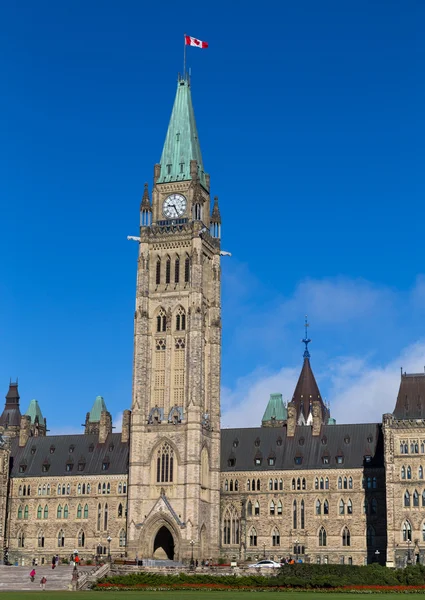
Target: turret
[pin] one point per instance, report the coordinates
(275, 414)
(38, 425)
(98, 420)
(10, 419)
(145, 209)
(215, 227)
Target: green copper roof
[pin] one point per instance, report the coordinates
(182, 142)
(34, 411)
(98, 407)
(331, 421)
(275, 410)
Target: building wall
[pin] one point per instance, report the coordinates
(404, 472)
(4, 486)
(41, 529)
(366, 487)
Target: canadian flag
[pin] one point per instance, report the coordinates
(191, 41)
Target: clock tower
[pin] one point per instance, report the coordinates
(173, 497)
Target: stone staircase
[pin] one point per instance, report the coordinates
(18, 578)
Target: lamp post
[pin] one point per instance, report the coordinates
(192, 562)
(377, 553)
(296, 548)
(109, 540)
(264, 549)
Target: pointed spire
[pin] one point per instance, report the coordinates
(306, 340)
(182, 143)
(145, 203)
(215, 215)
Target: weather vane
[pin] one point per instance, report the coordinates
(306, 340)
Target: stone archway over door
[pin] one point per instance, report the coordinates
(163, 546)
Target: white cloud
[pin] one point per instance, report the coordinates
(358, 392)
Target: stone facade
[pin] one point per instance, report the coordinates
(172, 484)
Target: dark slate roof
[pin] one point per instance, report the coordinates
(411, 397)
(62, 444)
(306, 391)
(354, 442)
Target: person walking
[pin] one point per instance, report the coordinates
(53, 562)
(32, 575)
(43, 582)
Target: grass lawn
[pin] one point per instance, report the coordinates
(182, 595)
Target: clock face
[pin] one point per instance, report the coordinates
(174, 206)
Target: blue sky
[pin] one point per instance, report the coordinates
(312, 126)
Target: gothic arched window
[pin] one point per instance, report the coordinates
(81, 539)
(231, 526)
(322, 483)
(39, 512)
(318, 507)
(421, 472)
(165, 464)
(407, 531)
(406, 498)
(415, 498)
(257, 509)
(350, 483)
(180, 319)
(40, 539)
(340, 483)
(294, 515)
(253, 537)
(177, 269)
(272, 509)
(316, 483)
(302, 517)
(122, 538)
(275, 537)
(403, 472)
(322, 537)
(158, 271)
(409, 472)
(349, 507)
(61, 538)
(249, 509)
(99, 516)
(271, 484)
(168, 270)
(187, 269)
(346, 537)
(280, 484)
(79, 511)
(341, 507)
(59, 512)
(279, 507)
(86, 511)
(105, 518)
(161, 321)
(46, 512)
(325, 507)
(65, 511)
(327, 483)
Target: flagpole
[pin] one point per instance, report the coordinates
(184, 56)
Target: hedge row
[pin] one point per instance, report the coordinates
(298, 575)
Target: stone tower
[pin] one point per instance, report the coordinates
(174, 466)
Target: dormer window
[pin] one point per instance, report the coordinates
(105, 465)
(301, 441)
(325, 460)
(298, 460)
(45, 467)
(22, 468)
(231, 462)
(324, 440)
(257, 442)
(279, 441)
(81, 465)
(257, 462)
(71, 449)
(370, 438)
(91, 447)
(347, 439)
(68, 467)
(52, 449)
(235, 443)
(272, 461)
(340, 459)
(111, 447)
(368, 458)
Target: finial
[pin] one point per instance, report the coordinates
(215, 215)
(306, 340)
(145, 203)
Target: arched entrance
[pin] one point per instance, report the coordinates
(163, 546)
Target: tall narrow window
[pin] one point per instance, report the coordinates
(302, 519)
(407, 531)
(187, 269)
(86, 511)
(59, 512)
(406, 498)
(272, 509)
(65, 511)
(168, 270)
(40, 539)
(61, 538)
(158, 271)
(346, 537)
(79, 511)
(161, 321)
(349, 507)
(253, 537)
(318, 507)
(180, 319)
(46, 512)
(279, 507)
(341, 507)
(177, 270)
(122, 538)
(275, 537)
(249, 508)
(99, 516)
(165, 464)
(322, 537)
(294, 515)
(81, 539)
(39, 512)
(257, 509)
(105, 518)
(325, 507)
(415, 498)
